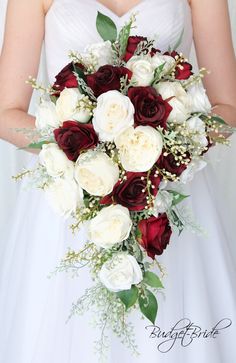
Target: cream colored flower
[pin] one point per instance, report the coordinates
(111, 225)
(120, 273)
(142, 69)
(67, 103)
(114, 113)
(65, 196)
(96, 172)
(139, 148)
(179, 100)
(55, 161)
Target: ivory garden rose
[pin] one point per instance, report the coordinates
(178, 99)
(55, 161)
(112, 225)
(139, 148)
(65, 196)
(120, 273)
(96, 172)
(67, 103)
(114, 113)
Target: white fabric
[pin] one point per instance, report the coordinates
(200, 284)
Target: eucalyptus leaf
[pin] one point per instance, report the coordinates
(148, 306)
(177, 197)
(128, 297)
(34, 145)
(106, 27)
(152, 280)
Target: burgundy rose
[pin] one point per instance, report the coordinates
(66, 78)
(150, 108)
(132, 192)
(155, 234)
(170, 164)
(183, 70)
(74, 137)
(107, 78)
(132, 44)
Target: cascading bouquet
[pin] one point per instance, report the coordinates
(122, 127)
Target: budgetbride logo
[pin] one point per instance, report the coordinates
(185, 332)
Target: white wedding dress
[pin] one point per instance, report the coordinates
(200, 281)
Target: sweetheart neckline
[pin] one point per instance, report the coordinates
(120, 17)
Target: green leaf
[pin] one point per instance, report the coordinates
(128, 297)
(152, 280)
(106, 27)
(123, 38)
(158, 72)
(148, 306)
(34, 145)
(218, 119)
(177, 197)
(79, 72)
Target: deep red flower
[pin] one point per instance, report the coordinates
(66, 78)
(74, 137)
(107, 78)
(183, 70)
(132, 192)
(150, 108)
(132, 44)
(170, 164)
(155, 234)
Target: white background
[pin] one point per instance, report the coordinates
(12, 160)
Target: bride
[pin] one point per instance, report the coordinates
(200, 285)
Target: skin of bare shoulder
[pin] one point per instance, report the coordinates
(23, 39)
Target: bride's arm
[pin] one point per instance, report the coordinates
(20, 57)
(214, 47)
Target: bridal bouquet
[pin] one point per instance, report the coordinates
(121, 128)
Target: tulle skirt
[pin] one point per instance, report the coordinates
(199, 286)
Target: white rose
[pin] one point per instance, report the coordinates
(55, 161)
(195, 124)
(67, 104)
(65, 196)
(46, 116)
(114, 113)
(96, 172)
(180, 101)
(120, 273)
(158, 59)
(143, 71)
(199, 100)
(163, 202)
(98, 54)
(111, 225)
(139, 148)
(193, 167)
